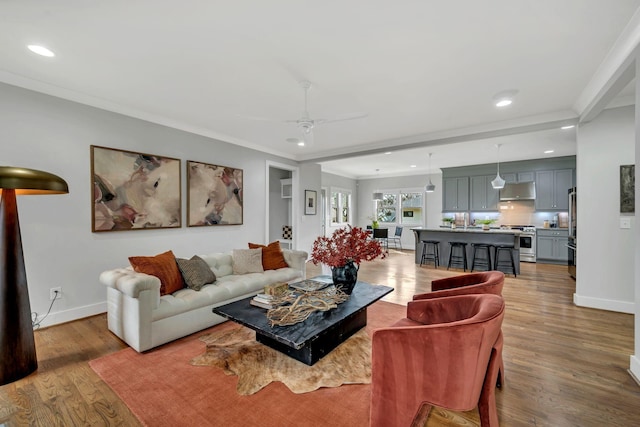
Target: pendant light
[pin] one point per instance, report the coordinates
(430, 187)
(498, 182)
(377, 195)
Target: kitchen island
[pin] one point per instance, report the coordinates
(494, 236)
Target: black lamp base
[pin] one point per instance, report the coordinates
(17, 345)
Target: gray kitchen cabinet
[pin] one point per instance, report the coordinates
(552, 188)
(526, 176)
(483, 196)
(513, 178)
(455, 196)
(551, 246)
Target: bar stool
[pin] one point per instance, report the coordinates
(430, 252)
(505, 264)
(458, 260)
(481, 257)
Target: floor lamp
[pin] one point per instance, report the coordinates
(17, 345)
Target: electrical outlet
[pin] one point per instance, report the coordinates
(52, 293)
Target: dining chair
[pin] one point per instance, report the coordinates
(382, 235)
(396, 239)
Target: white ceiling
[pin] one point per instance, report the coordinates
(423, 71)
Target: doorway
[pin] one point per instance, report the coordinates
(281, 200)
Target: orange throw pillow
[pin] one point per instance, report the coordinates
(164, 267)
(272, 258)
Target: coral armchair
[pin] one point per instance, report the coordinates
(486, 282)
(442, 354)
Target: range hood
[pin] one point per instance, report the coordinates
(519, 191)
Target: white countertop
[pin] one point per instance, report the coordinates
(471, 230)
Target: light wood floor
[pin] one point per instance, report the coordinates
(565, 365)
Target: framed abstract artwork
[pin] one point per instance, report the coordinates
(134, 191)
(214, 195)
(627, 188)
(310, 202)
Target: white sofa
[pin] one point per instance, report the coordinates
(143, 319)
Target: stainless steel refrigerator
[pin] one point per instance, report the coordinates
(573, 232)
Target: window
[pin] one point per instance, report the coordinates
(340, 207)
(400, 208)
(344, 205)
(386, 208)
(411, 208)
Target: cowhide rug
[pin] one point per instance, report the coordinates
(256, 365)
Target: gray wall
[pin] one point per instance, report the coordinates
(43, 132)
(605, 271)
(433, 201)
(310, 225)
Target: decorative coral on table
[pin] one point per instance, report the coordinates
(346, 244)
(343, 252)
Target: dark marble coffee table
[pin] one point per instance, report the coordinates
(312, 339)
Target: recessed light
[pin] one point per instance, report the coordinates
(504, 98)
(548, 152)
(41, 50)
(299, 142)
(388, 152)
(413, 166)
(568, 127)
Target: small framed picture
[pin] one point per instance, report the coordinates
(310, 202)
(627, 188)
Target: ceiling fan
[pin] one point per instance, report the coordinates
(306, 124)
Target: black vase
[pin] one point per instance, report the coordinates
(345, 277)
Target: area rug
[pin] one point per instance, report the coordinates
(237, 352)
(161, 388)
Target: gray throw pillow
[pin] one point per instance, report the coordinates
(195, 272)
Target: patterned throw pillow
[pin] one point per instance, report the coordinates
(164, 267)
(247, 261)
(272, 258)
(195, 272)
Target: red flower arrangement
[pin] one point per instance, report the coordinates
(344, 245)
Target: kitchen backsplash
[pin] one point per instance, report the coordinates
(517, 213)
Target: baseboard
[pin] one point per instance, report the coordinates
(634, 368)
(73, 314)
(604, 304)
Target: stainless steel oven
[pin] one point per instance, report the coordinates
(528, 244)
(527, 241)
